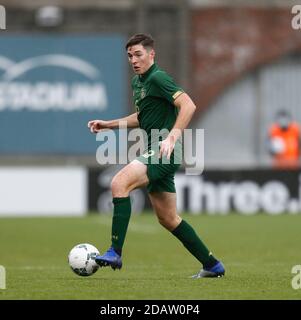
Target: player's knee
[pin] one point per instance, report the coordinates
(119, 187)
(169, 223)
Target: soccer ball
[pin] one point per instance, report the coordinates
(81, 259)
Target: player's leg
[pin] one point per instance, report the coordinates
(132, 176)
(164, 204)
(165, 207)
(127, 179)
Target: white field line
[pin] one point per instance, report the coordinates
(35, 268)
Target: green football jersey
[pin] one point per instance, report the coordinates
(154, 93)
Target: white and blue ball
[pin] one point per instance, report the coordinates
(82, 259)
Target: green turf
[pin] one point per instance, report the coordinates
(258, 252)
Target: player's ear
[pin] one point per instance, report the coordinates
(152, 53)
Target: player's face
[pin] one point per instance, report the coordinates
(140, 58)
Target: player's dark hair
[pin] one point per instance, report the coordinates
(145, 40)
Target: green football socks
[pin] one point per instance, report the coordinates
(186, 234)
(121, 218)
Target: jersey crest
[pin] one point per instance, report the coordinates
(142, 93)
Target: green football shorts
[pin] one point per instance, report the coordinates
(160, 172)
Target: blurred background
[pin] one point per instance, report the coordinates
(63, 63)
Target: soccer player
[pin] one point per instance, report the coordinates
(160, 104)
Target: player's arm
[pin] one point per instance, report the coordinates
(130, 121)
(186, 110)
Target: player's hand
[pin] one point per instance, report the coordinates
(167, 146)
(97, 125)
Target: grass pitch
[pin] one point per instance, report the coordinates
(258, 252)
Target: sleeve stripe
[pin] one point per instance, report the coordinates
(177, 94)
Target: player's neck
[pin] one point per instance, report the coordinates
(148, 71)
